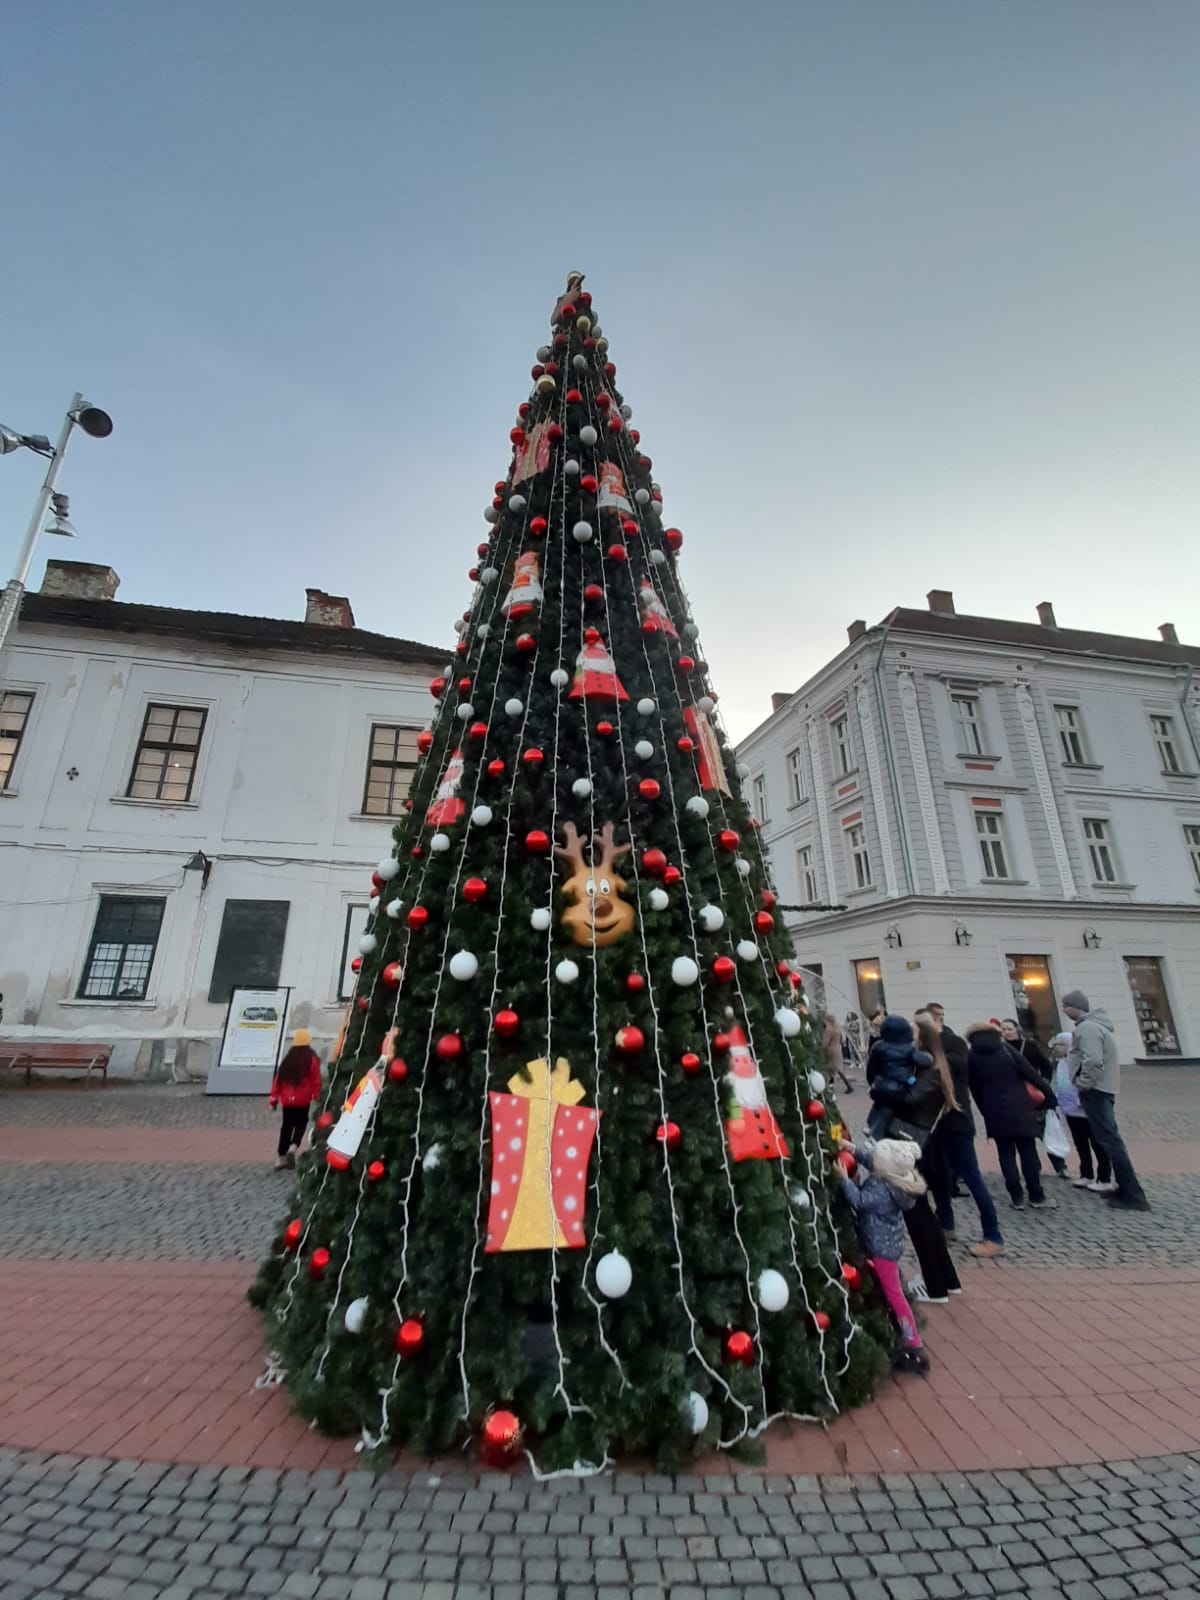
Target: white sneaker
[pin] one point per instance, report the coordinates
(1082, 1183)
(917, 1291)
(1103, 1188)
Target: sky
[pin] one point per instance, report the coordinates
(903, 297)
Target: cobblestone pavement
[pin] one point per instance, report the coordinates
(126, 1531)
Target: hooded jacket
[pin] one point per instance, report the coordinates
(998, 1075)
(1093, 1061)
(894, 1059)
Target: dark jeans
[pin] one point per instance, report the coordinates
(1024, 1150)
(1102, 1121)
(929, 1245)
(295, 1120)
(1082, 1134)
(960, 1161)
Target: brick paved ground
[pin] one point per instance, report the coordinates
(137, 1458)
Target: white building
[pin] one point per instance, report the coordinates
(1003, 811)
(190, 801)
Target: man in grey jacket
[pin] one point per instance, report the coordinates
(1093, 1066)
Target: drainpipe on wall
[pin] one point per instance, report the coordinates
(889, 754)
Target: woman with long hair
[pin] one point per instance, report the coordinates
(955, 1139)
(297, 1083)
(1022, 1037)
(1001, 1080)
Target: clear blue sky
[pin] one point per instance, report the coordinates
(903, 296)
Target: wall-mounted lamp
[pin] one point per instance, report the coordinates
(202, 864)
(1091, 939)
(892, 935)
(962, 934)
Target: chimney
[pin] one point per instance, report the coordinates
(941, 601)
(80, 580)
(1166, 632)
(856, 630)
(778, 700)
(1046, 615)
(328, 610)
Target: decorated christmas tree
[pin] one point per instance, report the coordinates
(574, 1186)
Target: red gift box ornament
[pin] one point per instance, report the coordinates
(751, 1130)
(711, 765)
(541, 1144)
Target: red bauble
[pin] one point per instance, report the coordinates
(618, 552)
(723, 968)
(604, 729)
(325, 1122)
(449, 1047)
(416, 850)
(567, 311)
(615, 424)
(821, 1318)
(552, 368)
(728, 840)
(763, 922)
(585, 298)
(533, 758)
(496, 768)
(739, 1348)
(690, 1062)
(645, 461)
(499, 486)
(376, 882)
(425, 741)
(481, 549)
(410, 1336)
(507, 1023)
(686, 745)
(847, 1162)
(591, 636)
(473, 574)
(356, 964)
(524, 408)
(397, 1069)
(669, 1133)
(464, 686)
(436, 686)
(538, 526)
(536, 370)
(672, 875)
(782, 968)
(629, 528)
(573, 397)
(851, 1276)
(392, 974)
(500, 1438)
(537, 841)
(654, 863)
(498, 502)
(363, 1004)
(649, 789)
(554, 432)
(589, 343)
(475, 890)
(720, 1043)
(603, 400)
(375, 1171)
(767, 898)
(526, 643)
(814, 1110)
(686, 664)
(588, 484)
(630, 1040)
(592, 593)
(561, 341)
(478, 730)
(516, 435)
(610, 369)
(635, 435)
(635, 983)
(674, 538)
(417, 917)
(318, 1261)
(292, 1234)
(461, 647)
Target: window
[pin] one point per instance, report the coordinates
(1099, 843)
(1191, 832)
(165, 765)
(1070, 735)
(1164, 738)
(121, 953)
(249, 947)
(390, 766)
(989, 825)
(860, 861)
(839, 730)
(807, 873)
(760, 797)
(965, 708)
(15, 706)
(795, 778)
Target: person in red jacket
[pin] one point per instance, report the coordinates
(296, 1084)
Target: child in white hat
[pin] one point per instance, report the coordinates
(888, 1185)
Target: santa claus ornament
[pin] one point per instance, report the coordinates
(526, 592)
(612, 493)
(655, 616)
(447, 805)
(750, 1128)
(595, 673)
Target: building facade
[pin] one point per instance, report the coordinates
(1000, 812)
(191, 801)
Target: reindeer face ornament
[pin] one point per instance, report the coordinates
(597, 915)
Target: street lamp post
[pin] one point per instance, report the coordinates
(93, 421)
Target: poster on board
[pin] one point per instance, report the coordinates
(252, 1042)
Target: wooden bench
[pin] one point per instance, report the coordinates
(21, 1055)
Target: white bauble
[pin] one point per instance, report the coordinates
(368, 944)
(788, 1022)
(742, 867)
(482, 816)
(642, 497)
(466, 711)
(695, 1412)
(581, 788)
(729, 1013)
(684, 971)
(711, 918)
(560, 677)
(643, 749)
(540, 919)
(356, 1314)
(491, 515)
(388, 868)
(432, 1157)
(646, 707)
(489, 575)
(566, 971)
(513, 707)
(613, 1275)
(394, 908)
(706, 703)
(627, 411)
(588, 434)
(582, 532)
(580, 363)
(440, 843)
(747, 950)
(463, 966)
(460, 625)
(658, 557)
(544, 352)
(571, 467)
(799, 1197)
(658, 899)
(697, 806)
(691, 630)
(816, 1082)
(373, 904)
(483, 630)
(772, 1290)
(517, 502)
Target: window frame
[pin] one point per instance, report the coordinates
(17, 738)
(1071, 733)
(839, 735)
(759, 787)
(1166, 743)
(968, 729)
(1102, 855)
(859, 855)
(1191, 838)
(993, 845)
(96, 940)
(393, 766)
(806, 875)
(168, 746)
(794, 763)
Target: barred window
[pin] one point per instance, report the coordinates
(121, 954)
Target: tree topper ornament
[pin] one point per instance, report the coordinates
(597, 914)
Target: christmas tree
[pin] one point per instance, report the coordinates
(574, 1186)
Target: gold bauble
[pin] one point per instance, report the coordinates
(545, 384)
(602, 345)
(584, 324)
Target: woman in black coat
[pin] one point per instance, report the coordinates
(916, 1110)
(1022, 1037)
(1000, 1080)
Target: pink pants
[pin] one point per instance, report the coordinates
(888, 1273)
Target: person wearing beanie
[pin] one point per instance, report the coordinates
(891, 1071)
(1095, 1169)
(296, 1084)
(1094, 1068)
(886, 1185)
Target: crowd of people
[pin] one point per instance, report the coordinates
(918, 1152)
